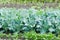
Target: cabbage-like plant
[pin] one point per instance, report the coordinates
(25, 20)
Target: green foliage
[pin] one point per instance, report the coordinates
(12, 20)
(30, 36)
(51, 21)
(25, 20)
(28, 1)
(34, 36)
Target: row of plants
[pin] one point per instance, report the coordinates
(16, 21)
(29, 36)
(28, 1)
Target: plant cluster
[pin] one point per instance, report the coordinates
(34, 36)
(29, 1)
(30, 36)
(25, 20)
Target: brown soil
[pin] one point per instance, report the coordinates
(54, 5)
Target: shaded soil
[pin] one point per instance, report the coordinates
(54, 5)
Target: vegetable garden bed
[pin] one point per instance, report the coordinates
(30, 23)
